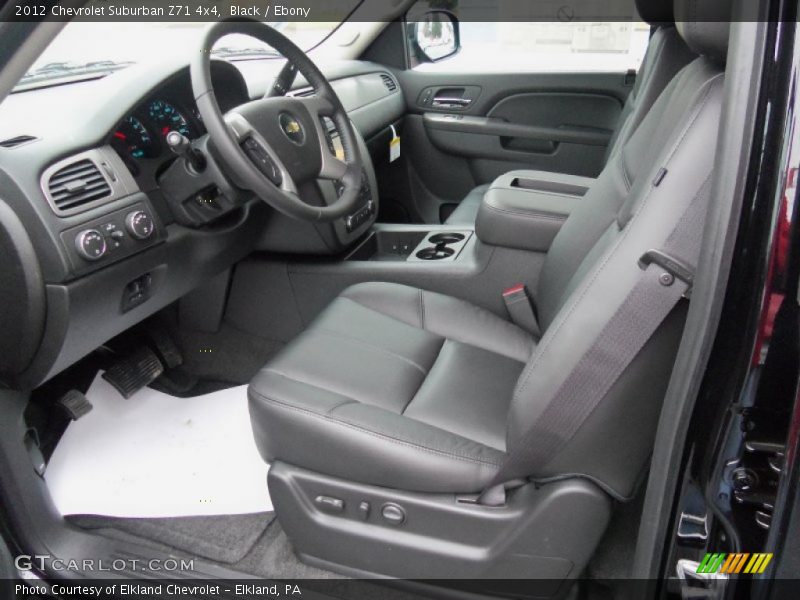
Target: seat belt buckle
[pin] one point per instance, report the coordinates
(520, 308)
(673, 267)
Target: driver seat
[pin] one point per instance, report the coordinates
(398, 405)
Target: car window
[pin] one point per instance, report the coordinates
(538, 45)
(87, 50)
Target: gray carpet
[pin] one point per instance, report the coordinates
(252, 544)
(228, 355)
(615, 553)
(225, 539)
(272, 557)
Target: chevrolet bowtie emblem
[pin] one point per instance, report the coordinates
(292, 128)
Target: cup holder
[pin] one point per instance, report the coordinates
(437, 252)
(444, 246)
(446, 238)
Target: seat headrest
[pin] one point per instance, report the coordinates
(655, 12)
(705, 25)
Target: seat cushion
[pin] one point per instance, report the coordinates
(393, 386)
(467, 210)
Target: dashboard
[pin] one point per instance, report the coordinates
(92, 238)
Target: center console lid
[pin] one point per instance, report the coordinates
(525, 211)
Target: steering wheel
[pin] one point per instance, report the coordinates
(276, 144)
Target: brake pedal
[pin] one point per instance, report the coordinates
(75, 404)
(134, 372)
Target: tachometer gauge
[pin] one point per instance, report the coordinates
(136, 139)
(168, 118)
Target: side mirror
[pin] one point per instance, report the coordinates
(436, 36)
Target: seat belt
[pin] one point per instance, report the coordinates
(520, 309)
(664, 281)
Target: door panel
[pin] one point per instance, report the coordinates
(466, 130)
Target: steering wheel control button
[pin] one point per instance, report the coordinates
(91, 244)
(139, 224)
(363, 510)
(262, 161)
(329, 504)
(393, 513)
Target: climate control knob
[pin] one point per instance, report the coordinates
(91, 244)
(139, 224)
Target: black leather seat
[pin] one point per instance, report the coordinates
(398, 387)
(396, 401)
(405, 388)
(666, 55)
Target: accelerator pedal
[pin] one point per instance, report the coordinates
(135, 371)
(165, 346)
(175, 383)
(74, 404)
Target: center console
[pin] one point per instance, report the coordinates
(524, 211)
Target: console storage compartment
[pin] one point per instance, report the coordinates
(526, 209)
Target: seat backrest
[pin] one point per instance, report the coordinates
(593, 265)
(666, 55)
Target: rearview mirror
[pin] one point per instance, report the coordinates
(435, 36)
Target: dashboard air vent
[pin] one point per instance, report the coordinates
(388, 82)
(17, 141)
(77, 184)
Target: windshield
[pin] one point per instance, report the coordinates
(89, 50)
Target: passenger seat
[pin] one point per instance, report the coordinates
(666, 54)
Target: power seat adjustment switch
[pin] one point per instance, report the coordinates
(393, 514)
(329, 504)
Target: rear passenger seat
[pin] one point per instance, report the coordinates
(666, 55)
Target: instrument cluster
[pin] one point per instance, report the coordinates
(141, 135)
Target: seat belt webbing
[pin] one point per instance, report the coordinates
(664, 281)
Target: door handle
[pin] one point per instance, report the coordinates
(458, 101)
(450, 102)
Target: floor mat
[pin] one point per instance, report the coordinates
(273, 557)
(226, 355)
(225, 539)
(155, 455)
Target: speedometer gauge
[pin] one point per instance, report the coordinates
(168, 118)
(136, 139)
